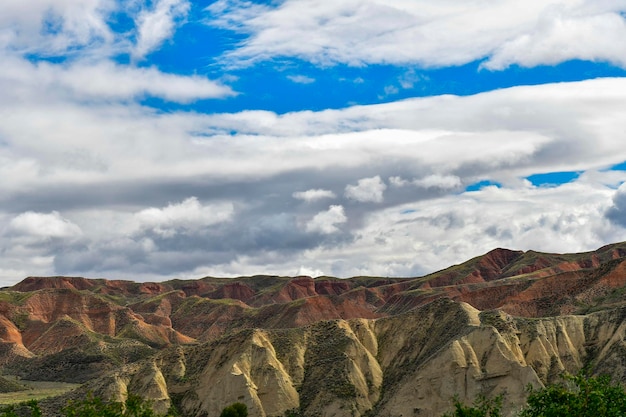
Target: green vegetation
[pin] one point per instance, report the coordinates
(31, 407)
(134, 406)
(7, 385)
(35, 390)
(482, 407)
(235, 410)
(15, 297)
(578, 395)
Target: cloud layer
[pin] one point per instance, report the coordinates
(112, 165)
(430, 34)
(364, 190)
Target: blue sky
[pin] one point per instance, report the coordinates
(158, 139)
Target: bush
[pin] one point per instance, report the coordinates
(134, 406)
(91, 406)
(579, 396)
(30, 408)
(482, 407)
(235, 410)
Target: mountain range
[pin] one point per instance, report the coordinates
(363, 346)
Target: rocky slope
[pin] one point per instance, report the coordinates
(326, 347)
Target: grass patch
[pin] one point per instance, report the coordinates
(38, 390)
(15, 297)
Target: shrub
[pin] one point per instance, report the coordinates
(134, 406)
(482, 407)
(579, 396)
(235, 410)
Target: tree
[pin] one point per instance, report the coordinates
(92, 407)
(579, 396)
(482, 407)
(235, 410)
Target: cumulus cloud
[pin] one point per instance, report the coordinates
(420, 237)
(560, 38)
(310, 272)
(430, 34)
(326, 222)
(31, 241)
(617, 211)
(157, 24)
(189, 216)
(43, 225)
(301, 79)
(367, 190)
(313, 195)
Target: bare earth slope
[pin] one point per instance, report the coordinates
(326, 346)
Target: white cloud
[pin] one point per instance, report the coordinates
(390, 90)
(438, 181)
(309, 272)
(421, 237)
(313, 195)
(326, 222)
(189, 216)
(563, 38)
(301, 79)
(502, 135)
(81, 27)
(367, 190)
(55, 26)
(617, 211)
(410, 78)
(397, 181)
(158, 24)
(43, 225)
(429, 181)
(426, 33)
(105, 81)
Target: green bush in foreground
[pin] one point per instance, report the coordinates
(577, 396)
(19, 409)
(482, 407)
(134, 406)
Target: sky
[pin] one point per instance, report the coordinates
(150, 140)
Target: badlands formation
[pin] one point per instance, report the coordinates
(363, 346)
